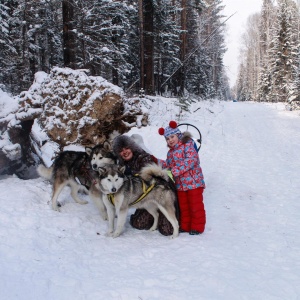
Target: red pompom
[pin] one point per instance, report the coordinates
(173, 124)
(161, 131)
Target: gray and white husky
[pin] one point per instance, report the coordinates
(124, 192)
(79, 170)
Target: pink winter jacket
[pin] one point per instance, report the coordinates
(184, 163)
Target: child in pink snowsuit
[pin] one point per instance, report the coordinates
(183, 161)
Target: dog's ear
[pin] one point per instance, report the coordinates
(107, 145)
(122, 169)
(113, 157)
(88, 150)
(101, 170)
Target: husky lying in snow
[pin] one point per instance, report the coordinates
(79, 170)
(124, 192)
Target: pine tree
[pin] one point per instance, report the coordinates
(7, 49)
(35, 41)
(206, 69)
(283, 65)
(166, 44)
(265, 33)
(105, 36)
(294, 59)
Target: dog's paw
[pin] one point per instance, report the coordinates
(83, 202)
(116, 234)
(173, 236)
(109, 234)
(153, 228)
(56, 208)
(104, 217)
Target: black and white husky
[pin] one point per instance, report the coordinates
(79, 170)
(124, 192)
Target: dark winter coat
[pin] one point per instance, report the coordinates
(140, 157)
(141, 219)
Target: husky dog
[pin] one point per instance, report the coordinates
(79, 170)
(124, 192)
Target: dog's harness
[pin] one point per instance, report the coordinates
(146, 191)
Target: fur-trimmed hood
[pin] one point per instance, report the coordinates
(185, 137)
(139, 159)
(124, 141)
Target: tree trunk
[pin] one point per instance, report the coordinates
(68, 34)
(141, 19)
(149, 46)
(181, 72)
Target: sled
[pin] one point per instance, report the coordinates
(199, 140)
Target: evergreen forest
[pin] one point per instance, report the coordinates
(270, 60)
(159, 47)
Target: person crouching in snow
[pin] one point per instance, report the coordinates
(134, 158)
(184, 163)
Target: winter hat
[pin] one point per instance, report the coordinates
(169, 130)
(124, 141)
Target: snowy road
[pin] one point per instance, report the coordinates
(250, 249)
(252, 169)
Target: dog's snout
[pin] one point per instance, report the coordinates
(94, 166)
(113, 190)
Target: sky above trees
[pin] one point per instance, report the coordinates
(235, 28)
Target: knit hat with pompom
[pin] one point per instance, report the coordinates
(169, 130)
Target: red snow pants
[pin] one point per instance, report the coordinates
(192, 212)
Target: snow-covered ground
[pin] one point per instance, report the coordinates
(250, 249)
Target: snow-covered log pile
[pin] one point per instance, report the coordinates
(76, 108)
(67, 107)
(8, 150)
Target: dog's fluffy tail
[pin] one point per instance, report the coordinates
(45, 172)
(152, 170)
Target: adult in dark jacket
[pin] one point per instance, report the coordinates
(130, 154)
(134, 158)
